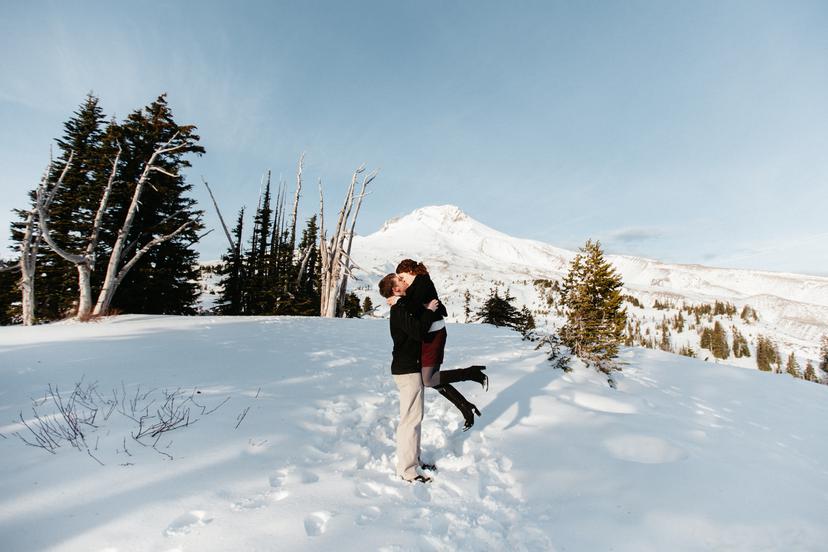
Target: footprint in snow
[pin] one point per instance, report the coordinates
(602, 404)
(644, 449)
(317, 523)
(368, 516)
(185, 523)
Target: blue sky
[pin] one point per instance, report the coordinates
(693, 132)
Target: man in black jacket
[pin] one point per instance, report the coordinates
(407, 332)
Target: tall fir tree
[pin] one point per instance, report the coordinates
(595, 317)
(87, 138)
(164, 281)
(307, 295)
(233, 275)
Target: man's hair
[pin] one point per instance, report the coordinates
(412, 267)
(387, 285)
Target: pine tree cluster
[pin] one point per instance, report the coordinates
(272, 275)
(164, 280)
(767, 355)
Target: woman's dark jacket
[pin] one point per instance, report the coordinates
(420, 293)
(407, 332)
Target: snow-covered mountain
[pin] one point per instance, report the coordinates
(464, 254)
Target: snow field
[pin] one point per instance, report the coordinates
(684, 455)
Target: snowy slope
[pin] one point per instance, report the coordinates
(462, 254)
(684, 455)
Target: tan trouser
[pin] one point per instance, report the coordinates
(411, 420)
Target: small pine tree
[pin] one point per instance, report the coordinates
(792, 366)
(767, 355)
(595, 317)
(351, 308)
(687, 350)
(665, 343)
(367, 306)
(499, 311)
(810, 373)
(467, 306)
(740, 344)
(525, 321)
(719, 346)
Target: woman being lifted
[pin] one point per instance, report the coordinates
(421, 292)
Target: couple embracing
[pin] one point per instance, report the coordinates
(418, 330)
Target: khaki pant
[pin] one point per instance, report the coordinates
(411, 420)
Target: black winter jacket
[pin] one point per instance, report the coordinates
(407, 332)
(420, 293)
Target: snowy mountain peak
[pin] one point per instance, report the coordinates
(436, 217)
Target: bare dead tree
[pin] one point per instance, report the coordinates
(29, 247)
(218, 211)
(335, 254)
(117, 268)
(85, 261)
(349, 263)
(296, 201)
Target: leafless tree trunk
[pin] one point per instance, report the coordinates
(116, 269)
(336, 263)
(349, 263)
(84, 262)
(218, 211)
(29, 246)
(296, 202)
(28, 264)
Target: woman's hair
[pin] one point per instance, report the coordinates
(387, 285)
(412, 267)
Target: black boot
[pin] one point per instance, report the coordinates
(467, 409)
(472, 373)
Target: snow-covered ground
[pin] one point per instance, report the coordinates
(298, 453)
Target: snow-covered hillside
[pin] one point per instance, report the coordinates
(464, 254)
(290, 445)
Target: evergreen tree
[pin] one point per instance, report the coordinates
(740, 344)
(719, 346)
(792, 366)
(767, 355)
(592, 298)
(498, 311)
(665, 343)
(307, 297)
(687, 350)
(351, 308)
(232, 271)
(706, 341)
(810, 373)
(467, 306)
(164, 281)
(10, 311)
(73, 209)
(525, 321)
(367, 305)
